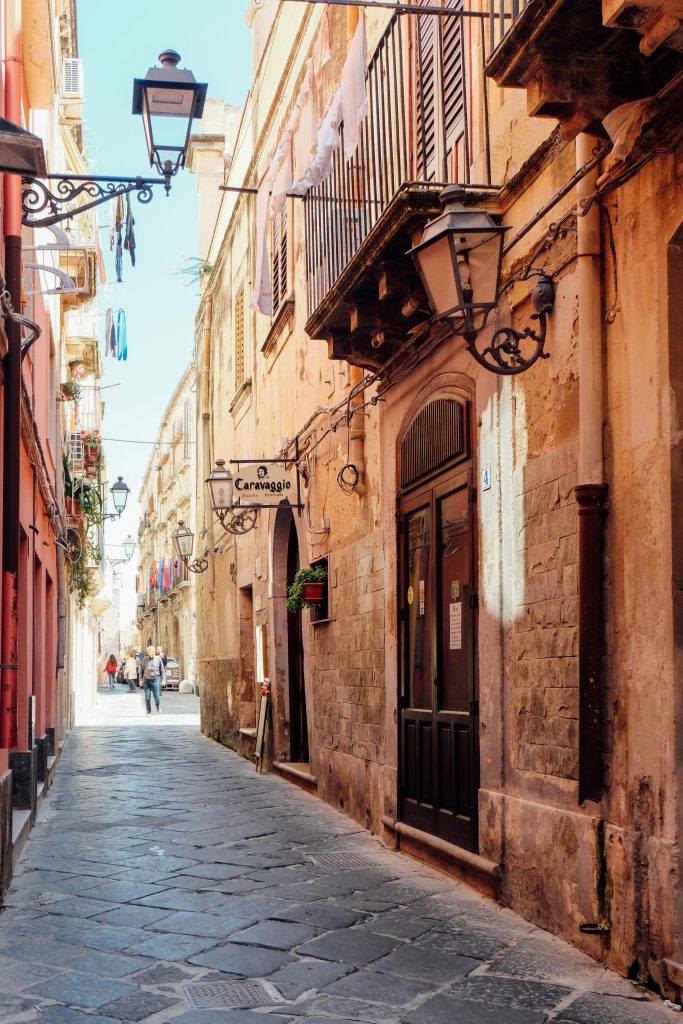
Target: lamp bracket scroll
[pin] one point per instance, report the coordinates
(43, 202)
(511, 351)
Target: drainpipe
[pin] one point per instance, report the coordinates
(12, 385)
(206, 421)
(591, 492)
(356, 454)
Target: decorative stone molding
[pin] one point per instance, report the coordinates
(282, 322)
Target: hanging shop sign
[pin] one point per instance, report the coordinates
(268, 483)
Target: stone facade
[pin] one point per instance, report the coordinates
(601, 411)
(166, 612)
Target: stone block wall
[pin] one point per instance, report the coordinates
(545, 639)
(219, 710)
(347, 655)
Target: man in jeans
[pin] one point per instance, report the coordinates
(153, 673)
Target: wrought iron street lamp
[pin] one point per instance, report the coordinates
(168, 98)
(233, 519)
(183, 538)
(129, 547)
(459, 261)
(119, 492)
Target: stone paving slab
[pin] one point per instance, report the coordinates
(273, 906)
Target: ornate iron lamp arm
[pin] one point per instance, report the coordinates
(200, 564)
(509, 352)
(36, 196)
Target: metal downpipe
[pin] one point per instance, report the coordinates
(591, 491)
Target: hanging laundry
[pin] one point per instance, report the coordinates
(129, 236)
(121, 335)
(153, 575)
(322, 53)
(305, 129)
(262, 295)
(118, 224)
(166, 576)
(282, 181)
(112, 225)
(108, 328)
(354, 98)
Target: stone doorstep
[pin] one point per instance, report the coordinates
(299, 774)
(21, 826)
(482, 874)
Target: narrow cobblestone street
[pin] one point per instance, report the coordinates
(166, 880)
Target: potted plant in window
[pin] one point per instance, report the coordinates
(92, 451)
(307, 588)
(71, 390)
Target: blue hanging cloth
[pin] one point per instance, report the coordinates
(121, 335)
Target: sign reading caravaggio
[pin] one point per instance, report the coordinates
(264, 484)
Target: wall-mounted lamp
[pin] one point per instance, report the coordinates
(459, 261)
(119, 492)
(233, 519)
(183, 538)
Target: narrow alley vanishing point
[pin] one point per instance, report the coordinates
(166, 880)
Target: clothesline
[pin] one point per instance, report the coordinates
(448, 12)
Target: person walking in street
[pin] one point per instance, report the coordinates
(130, 672)
(110, 669)
(153, 674)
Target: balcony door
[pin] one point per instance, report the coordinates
(439, 756)
(441, 149)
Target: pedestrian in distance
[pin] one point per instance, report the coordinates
(154, 673)
(110, 668)
(130, 672)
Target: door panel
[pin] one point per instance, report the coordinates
(439, 770)
(419, 611)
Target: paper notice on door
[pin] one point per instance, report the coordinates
(456, 626)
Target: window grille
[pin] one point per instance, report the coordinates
(436, 436)
(74, 451)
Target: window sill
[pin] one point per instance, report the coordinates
(242, 396)
(283, 319)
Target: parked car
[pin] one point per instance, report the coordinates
(172, 674)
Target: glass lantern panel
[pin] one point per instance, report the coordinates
(436, 269)
(184, 541)
(483, 261)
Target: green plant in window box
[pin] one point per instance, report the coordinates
(300, 594)
(71, 390)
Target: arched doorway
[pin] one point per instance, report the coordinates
(439, 755)
(298, 719)
(290, 661)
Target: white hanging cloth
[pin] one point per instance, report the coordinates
(354, 99)
(321, 50)
(262, 295)
(311, 153)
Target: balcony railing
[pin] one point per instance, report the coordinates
(502, 15)
(419, 129)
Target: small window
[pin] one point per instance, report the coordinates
(279, 259)
(321, 612)
(239, 338)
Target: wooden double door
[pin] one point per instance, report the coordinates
(439, 769)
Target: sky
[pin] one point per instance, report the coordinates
(116, 45)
